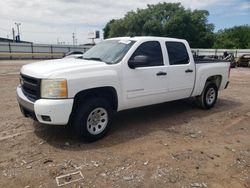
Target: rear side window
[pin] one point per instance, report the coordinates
(152, 49)
(177, 53)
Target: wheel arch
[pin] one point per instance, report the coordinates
(216, 79)
(109, 93)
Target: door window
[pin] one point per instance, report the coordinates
(151, 49)
(177, 53)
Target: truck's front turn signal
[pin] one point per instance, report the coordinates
(56, 88)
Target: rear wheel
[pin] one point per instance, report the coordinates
(92, 119)
(209, 96)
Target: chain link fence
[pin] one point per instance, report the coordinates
(37, 51)
(9, 50)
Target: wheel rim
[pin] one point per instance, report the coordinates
(97, 121)
(210, 96)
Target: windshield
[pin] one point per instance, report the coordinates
(109, 51)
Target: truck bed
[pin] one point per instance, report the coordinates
(208, 60)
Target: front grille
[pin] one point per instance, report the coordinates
(30, 87)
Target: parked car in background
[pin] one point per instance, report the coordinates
(243, 61)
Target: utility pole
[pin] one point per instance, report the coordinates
(18, 31)
(58, 42)
(18, 25)
(13, 33)
(73, 37)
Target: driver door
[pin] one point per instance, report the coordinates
(146, 84)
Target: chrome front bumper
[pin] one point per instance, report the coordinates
(23, 100)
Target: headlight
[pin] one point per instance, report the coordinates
(54, 88)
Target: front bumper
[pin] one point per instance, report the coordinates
(48, 111)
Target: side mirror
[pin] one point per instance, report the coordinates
(138, 61)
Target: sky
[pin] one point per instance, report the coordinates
(53, 21)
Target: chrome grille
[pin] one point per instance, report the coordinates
(30, 87)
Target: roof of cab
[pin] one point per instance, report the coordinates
(142, 38)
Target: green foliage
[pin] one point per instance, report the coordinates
(166, 20)
(237, 37)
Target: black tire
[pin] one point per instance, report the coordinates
(86, 129)
(208, 97)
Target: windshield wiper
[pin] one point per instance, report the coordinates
(93, 58)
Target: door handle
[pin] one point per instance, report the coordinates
(161, 73)
(188, 70)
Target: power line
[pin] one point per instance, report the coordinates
(51, 32)
(4, 29)
(45, 32)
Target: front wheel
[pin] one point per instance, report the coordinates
(92, 119)
(208, 97)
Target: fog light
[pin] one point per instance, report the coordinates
(46, 118)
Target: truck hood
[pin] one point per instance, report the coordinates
(45, 69)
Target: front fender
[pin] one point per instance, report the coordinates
(94, 79)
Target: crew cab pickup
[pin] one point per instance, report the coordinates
(117, 74)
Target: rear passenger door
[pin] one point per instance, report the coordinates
(181, 71)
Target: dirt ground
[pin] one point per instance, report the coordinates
(174, 144)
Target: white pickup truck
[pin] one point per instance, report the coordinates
(114, 75)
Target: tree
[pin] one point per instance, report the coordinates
(237, 37)
(166, 20)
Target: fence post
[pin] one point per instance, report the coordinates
(10, 50)
(51, 50)
(236, 53)
(32, 51)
